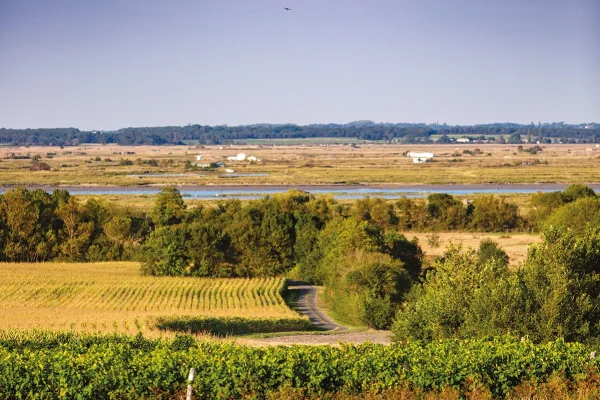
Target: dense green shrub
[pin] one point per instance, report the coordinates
(224, 326)
(559, 285)
(488, 250)
(554, 294)
(458, 298)
(577, 216)
(493, 214)
(544, 205)
(575, 192)
(368, 288)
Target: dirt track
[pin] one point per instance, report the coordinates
(307, 305)
(382, 337)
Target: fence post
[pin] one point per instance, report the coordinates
(191, 376)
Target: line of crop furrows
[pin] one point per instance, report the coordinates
(171, 294)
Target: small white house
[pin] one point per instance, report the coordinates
(419, 157)
(198, 158)
(463, 140)
(253, 158)
(239, 157)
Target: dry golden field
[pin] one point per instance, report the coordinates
(112, 297)
(514, 244)
(304, 164)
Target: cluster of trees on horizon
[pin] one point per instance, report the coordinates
(362, 130)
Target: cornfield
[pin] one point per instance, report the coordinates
(107, 297)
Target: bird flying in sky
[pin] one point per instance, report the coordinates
(287, 9)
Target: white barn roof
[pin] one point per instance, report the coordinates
(420, 155)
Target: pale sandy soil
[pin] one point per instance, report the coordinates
(514, 244)
(381, 337)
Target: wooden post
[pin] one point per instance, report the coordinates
(188, 395)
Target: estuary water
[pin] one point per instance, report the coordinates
(211, 192)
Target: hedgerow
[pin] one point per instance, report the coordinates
(230, 325)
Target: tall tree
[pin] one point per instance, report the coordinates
(20, 214)
(169, 207)
(76, 232)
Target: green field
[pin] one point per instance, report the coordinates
(63, 365)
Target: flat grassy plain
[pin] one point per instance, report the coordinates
(514, 244)
(298, 164)
(113, 297)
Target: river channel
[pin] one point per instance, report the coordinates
(211, 192)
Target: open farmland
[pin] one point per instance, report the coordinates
(111, 297)
(368, 163)
(515, 245)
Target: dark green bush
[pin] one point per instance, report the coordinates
(224, 326)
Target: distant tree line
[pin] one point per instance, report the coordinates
(362, 130)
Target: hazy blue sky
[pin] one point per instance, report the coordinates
(108, 64)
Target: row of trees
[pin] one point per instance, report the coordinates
(37, 226)
(363, 130)
(443, 212)
(263, 237)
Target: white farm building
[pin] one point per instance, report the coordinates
(419, 157)
(239, 157)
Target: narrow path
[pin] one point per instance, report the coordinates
(307, 305)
